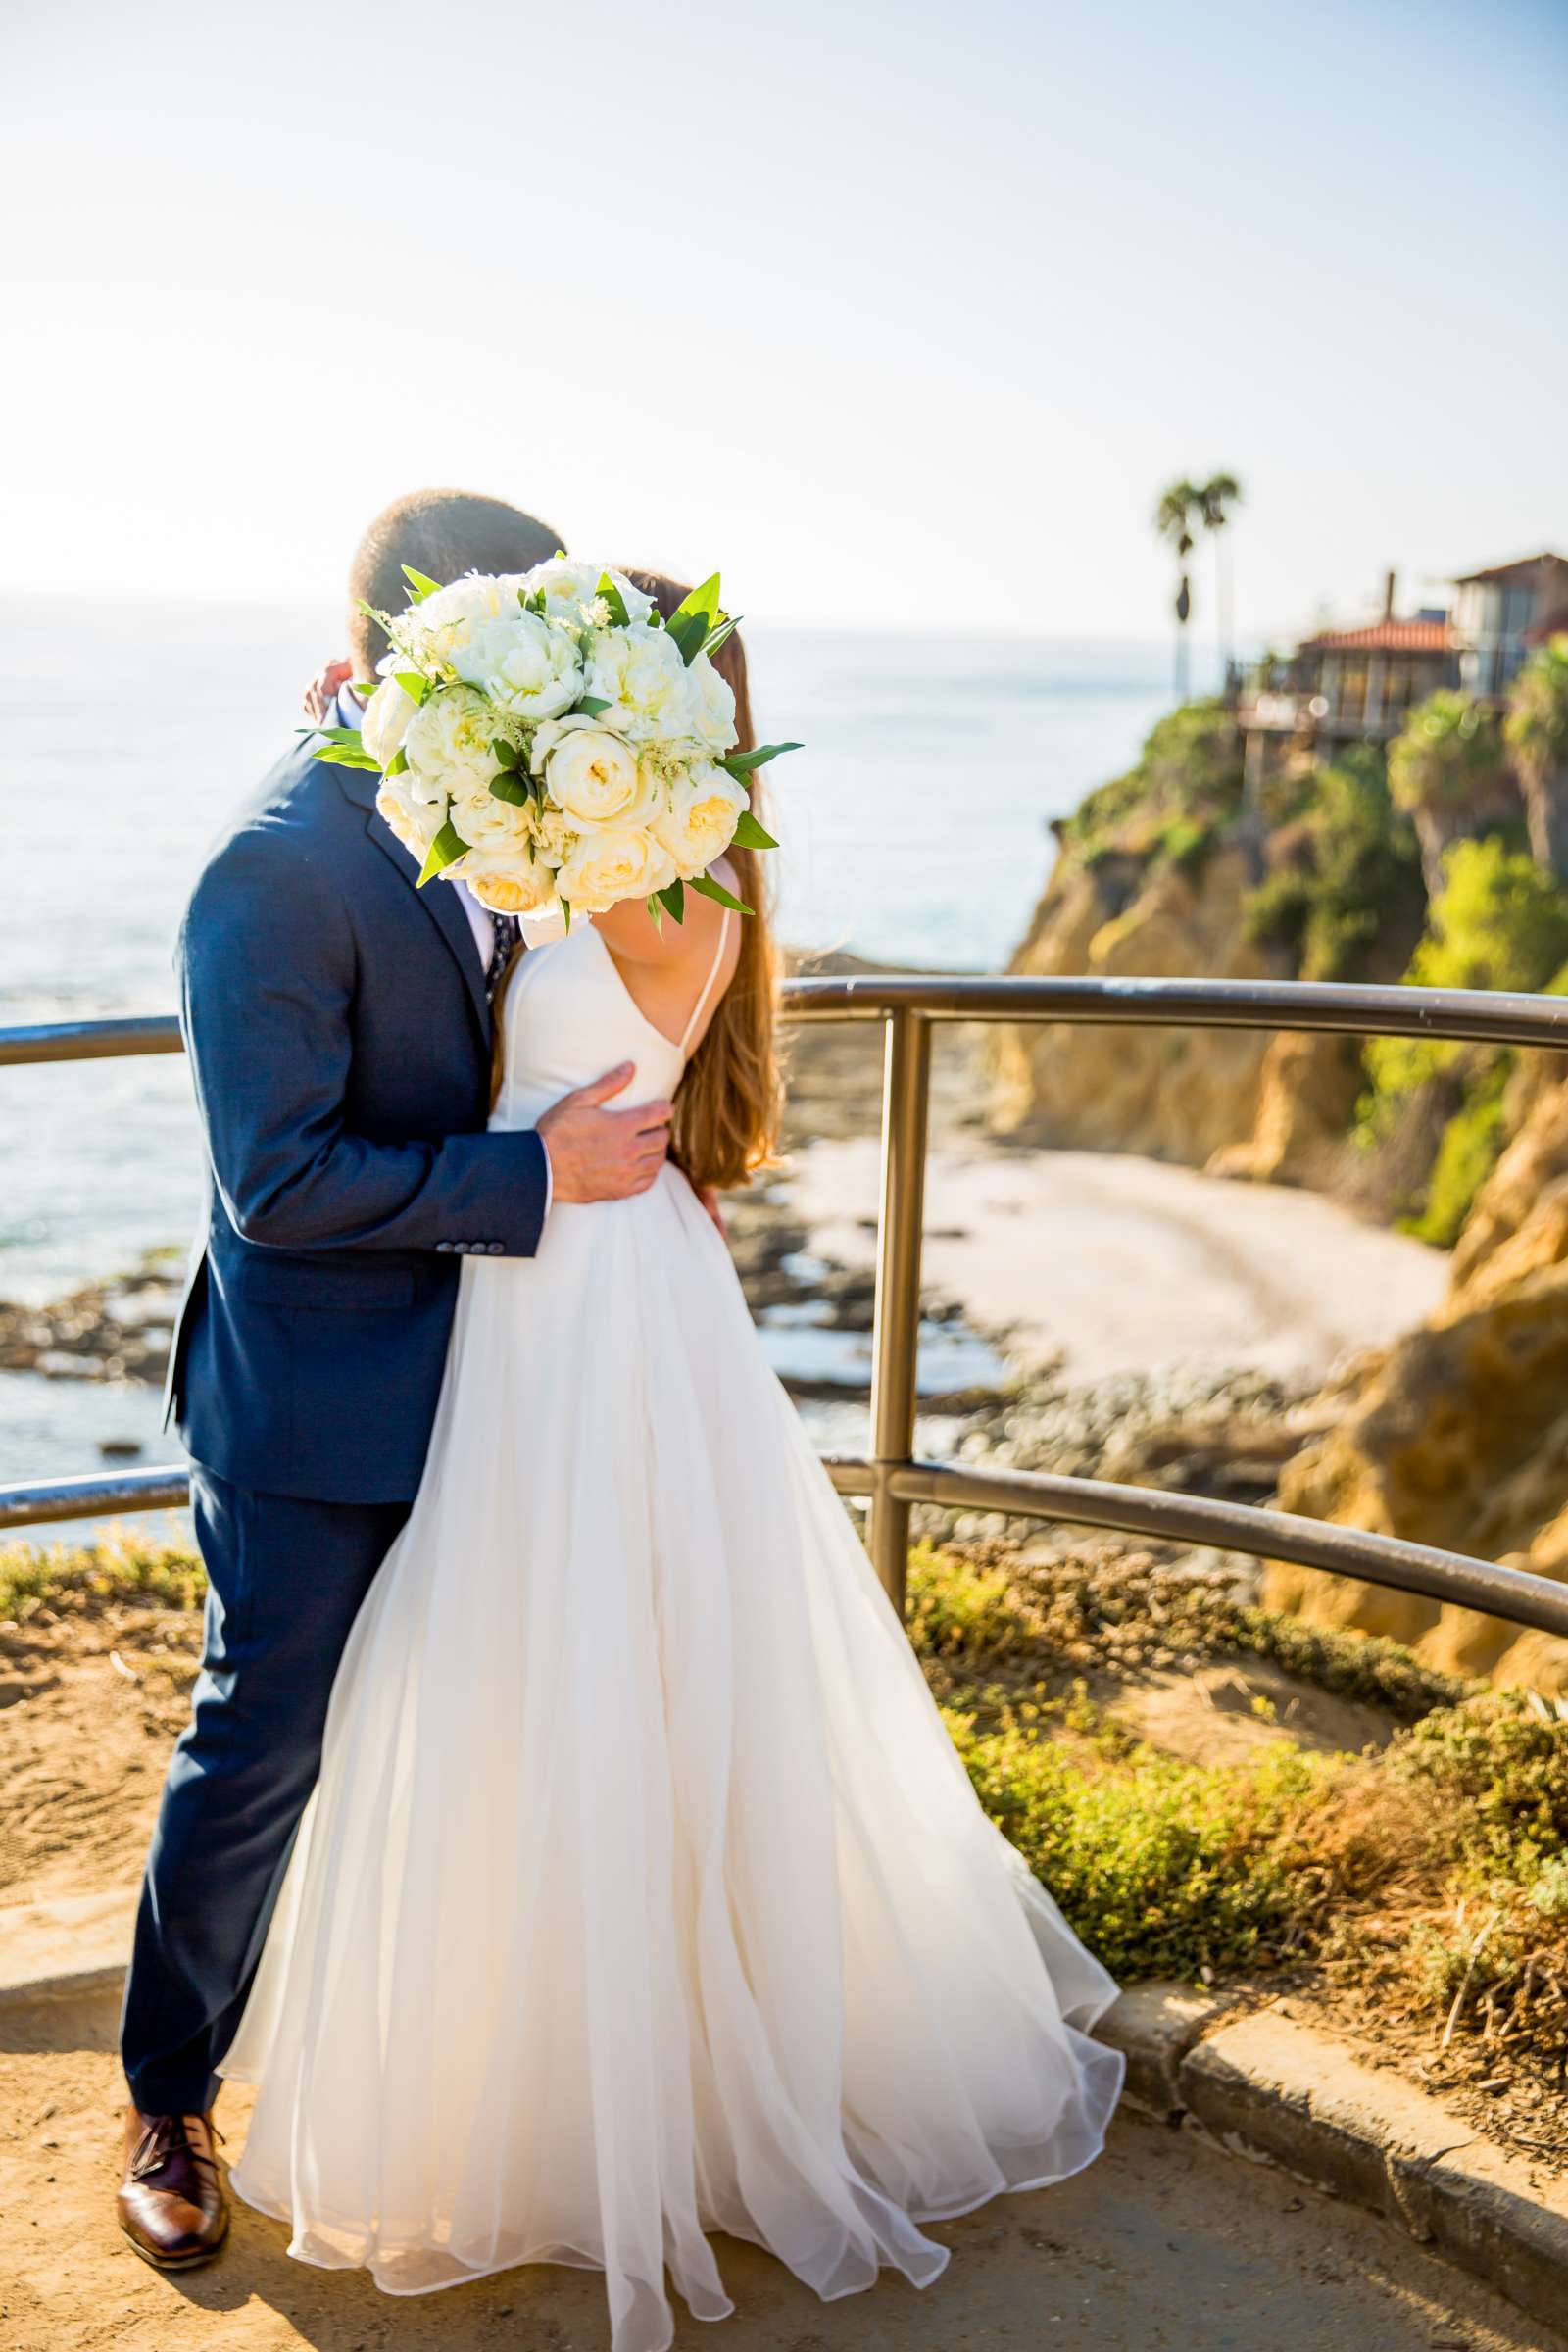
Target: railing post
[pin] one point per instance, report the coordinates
(896, 1329)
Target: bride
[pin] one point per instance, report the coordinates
(643, 1893)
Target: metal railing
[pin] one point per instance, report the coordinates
(891, 1478)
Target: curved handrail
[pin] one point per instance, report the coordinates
(1479, 1015)
(909, 1003)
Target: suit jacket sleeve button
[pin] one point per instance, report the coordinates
(443, 1244)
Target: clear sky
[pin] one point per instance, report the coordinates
(900, 310)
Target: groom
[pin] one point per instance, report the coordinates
(338, 1026)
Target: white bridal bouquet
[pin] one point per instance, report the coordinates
(551, 739)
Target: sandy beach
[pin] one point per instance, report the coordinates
(1103, 1263)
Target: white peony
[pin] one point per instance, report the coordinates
(527, 665)
(639, 672)
(386, 720)
(700, 824)
(712, 701)
(592, 774)
(434, 632)
(608, 864)
(448, 742)
(571, 587)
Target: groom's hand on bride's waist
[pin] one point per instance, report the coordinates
(601, 1154)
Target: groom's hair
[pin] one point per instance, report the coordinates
(442, 533)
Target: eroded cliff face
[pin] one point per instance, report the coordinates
(1242, 1102)
(1458, 1434)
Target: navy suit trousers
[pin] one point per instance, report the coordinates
(286, 1577)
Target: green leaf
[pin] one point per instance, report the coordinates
(363, 687)
(348, 735)
(510, 786)
(656, 913)
(398, 761)
(715, 637)
(504, 754)
(413, 684)
(421, 583)
(740, 765)
(339, 754)
(613, 599)
(565, 911)
(446, 849)
(749, 835)
(694, 620)
(592, 703)
(710, 888)
(673, 897)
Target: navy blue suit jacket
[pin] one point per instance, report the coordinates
(339, 1036)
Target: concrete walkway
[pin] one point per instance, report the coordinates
(1165, 2245)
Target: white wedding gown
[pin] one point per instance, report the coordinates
(643, 1893)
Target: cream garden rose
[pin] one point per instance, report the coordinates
(491, 824)
(498, 881)
(409, 817)
(699, 823)
(608, 864)
(592, 774)
(387, 717)
(713, 702)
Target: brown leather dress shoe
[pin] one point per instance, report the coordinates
(171, 2204)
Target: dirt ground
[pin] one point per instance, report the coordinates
(1164, 2245)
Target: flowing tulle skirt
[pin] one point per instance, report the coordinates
(643, 1893)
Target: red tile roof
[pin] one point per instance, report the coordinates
(1385, 637)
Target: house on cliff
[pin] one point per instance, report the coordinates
(1358, 685)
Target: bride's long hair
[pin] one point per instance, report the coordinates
(727, 1105)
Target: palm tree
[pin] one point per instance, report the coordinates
(1220, 491)
(1537, 733)
(1173, 521)
(1449, 772)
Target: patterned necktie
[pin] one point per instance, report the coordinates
(508, 931)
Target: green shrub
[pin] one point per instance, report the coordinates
(1163, 1868)
(1189, 770)
(1358, 880)
(1470, 1147)
(1366, 1667)
(1449, 754)
(959, 1610)
(1497, 1767)
(121, 1566)
(1500, 923)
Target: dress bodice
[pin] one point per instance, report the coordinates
(569, 1017)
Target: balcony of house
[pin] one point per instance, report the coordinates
(1342, 686)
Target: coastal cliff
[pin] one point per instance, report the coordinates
(1171, 870)
(1457, 1435)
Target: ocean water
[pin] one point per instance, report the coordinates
(913, 827)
